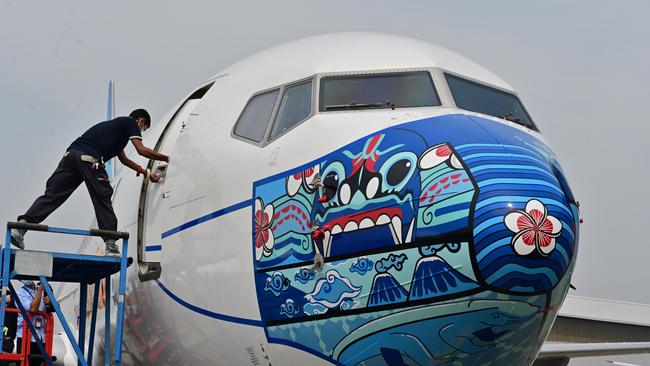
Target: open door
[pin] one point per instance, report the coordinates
(156, 199)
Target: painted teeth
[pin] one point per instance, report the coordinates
(351, 226)
(383, 220)
(396, 229)
(409, 235)
(395, 225)
(327, 240)
(366, 223)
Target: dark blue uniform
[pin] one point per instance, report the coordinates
(106, 139)
(83, 162)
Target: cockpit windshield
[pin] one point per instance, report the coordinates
(480, 98)
(375, 91)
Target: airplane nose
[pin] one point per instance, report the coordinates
(525, 217)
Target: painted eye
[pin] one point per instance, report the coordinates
(435, 156)
(331, 180)
(397, 170)
(372, 187)
(345, 194)
(310, 172)
(332, 176)
(308, 176)
(293, 183)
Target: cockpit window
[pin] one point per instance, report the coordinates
(484, 99)
(255, 118)
(295, 106)
(394, 90)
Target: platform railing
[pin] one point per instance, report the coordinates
(66, 267)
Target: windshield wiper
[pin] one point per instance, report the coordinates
(353, 105)
(511, 117)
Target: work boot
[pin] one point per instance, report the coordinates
(18, 236)
(111, 249)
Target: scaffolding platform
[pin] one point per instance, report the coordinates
(84, 269)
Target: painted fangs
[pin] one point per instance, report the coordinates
(409, 234)
(396, 229)
(395, 225)
(327, 240)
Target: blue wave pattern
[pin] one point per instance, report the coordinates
(508, 177)
(391, 261)
(289, 309)
(361, 266)
(332, 290)
(304, 275)
(277, 284)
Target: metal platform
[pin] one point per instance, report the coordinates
(75, 268)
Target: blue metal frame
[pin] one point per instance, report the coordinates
(107, 322)
(83, 296)
(93, 321)
(84, 278)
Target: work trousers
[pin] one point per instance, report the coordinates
(33, 350)
(65, 180)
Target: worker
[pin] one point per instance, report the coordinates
(11, 318)
(32, 299)
(84, 162)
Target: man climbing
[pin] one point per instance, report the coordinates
(84, 162)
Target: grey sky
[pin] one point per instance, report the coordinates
(580, 68)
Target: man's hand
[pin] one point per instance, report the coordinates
(47, 301)
(154, 178)
(40, 288)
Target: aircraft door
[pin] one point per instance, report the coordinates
(157, 199)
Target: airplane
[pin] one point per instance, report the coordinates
(345, 199)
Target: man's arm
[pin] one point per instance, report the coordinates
(147, 152)
(26, 300)
(36, 303)
(129, 163)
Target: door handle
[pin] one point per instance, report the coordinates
(161, 170)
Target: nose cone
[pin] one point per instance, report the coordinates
(448, 238)
(525, 217)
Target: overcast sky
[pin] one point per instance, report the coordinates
(580, 67)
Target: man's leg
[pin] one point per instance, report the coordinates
(100, 190)
(34, 350)
(58, 189)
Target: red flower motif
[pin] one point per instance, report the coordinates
(263, 234)
(534, 229)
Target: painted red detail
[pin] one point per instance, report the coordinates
(443, 151)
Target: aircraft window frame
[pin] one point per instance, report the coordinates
(281, 88)
(262, 141)
(269, 138)
(428, 71)
(532, 125)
